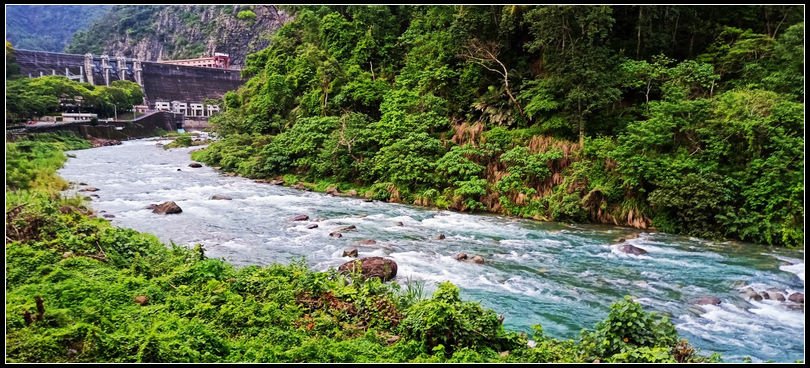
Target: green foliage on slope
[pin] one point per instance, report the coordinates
(48, 27)
(680, 118)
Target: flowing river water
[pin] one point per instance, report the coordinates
(562, 276)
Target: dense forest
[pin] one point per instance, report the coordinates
(48, 27)
(165, 32)
(684, 119)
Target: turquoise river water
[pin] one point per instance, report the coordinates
(562, 276)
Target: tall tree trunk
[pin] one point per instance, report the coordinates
(581, 125)
(581, 132)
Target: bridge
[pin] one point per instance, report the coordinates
(163, 83)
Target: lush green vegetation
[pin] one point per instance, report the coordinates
(686, 119)
(185, 140)
(80, 290)
(32, 163)
(28, 98)
(48, 27)
(246, 15)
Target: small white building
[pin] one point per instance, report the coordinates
(162, 106)
(196, 110)
(180, 107)
(71, 117)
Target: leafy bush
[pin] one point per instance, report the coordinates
(446, 323)
(246, 14)
(630, 334)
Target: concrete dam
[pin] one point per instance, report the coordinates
(167, 86)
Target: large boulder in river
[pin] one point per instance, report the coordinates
(166, 208)
(477, 259)
(796, 298)
(195, 165)
(630, 249)
(221, 197)
(708, 300)
(299, 218)
(773, 294)
(351, 252)
(461, 257)
(382, 268)
(752, 294)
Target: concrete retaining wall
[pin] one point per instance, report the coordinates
(148, 126)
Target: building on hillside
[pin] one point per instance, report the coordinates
(218, 61)
(69, 117)
(163, 106)
(141, 109)
(189, 110)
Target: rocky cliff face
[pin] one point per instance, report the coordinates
(181, 31)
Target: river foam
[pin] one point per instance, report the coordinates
(563, 276)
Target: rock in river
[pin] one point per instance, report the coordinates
(166, 208)
(351, 252)
(707, 300)
(796, 298)
(752, 294)
(382, 268)
(221, 197)
(300, 218)
(194, 165)
(630, 249)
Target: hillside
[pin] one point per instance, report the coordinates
(48, 27)
(681, 119)
(181, 31)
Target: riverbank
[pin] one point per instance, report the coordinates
(560, 275)
(81, 290)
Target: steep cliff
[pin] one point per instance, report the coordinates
(180, 31)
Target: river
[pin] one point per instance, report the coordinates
(563, 276)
